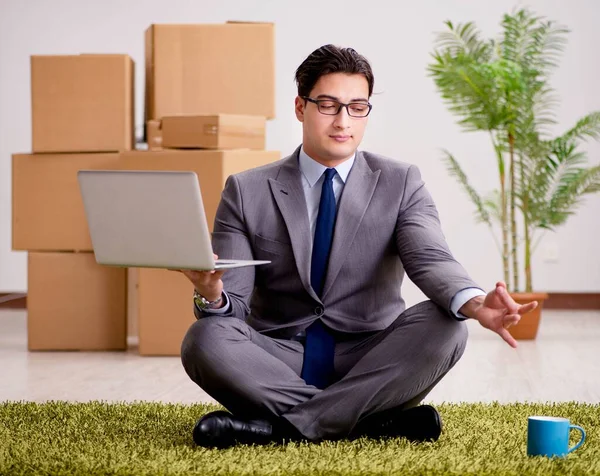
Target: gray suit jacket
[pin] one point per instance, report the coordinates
(386, 224)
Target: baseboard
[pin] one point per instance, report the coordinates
(13, 301)
(573, 301)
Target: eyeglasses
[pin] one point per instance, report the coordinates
(331, 107)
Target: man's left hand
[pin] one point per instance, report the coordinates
(497, 311)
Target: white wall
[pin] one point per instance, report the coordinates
(409, 121)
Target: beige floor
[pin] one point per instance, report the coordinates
(561, 365)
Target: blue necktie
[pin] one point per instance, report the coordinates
(317, 368)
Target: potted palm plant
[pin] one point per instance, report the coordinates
(501, 86)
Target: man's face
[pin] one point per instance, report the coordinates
(331, 139)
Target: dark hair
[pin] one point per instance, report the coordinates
(331, 59)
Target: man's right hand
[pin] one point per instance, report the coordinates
(207, 283)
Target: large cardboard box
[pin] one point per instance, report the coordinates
(213, 131)
(82, 103)
(160, 301)
(210, 69)
(75, 304)
(47, 209)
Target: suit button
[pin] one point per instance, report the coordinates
(319, 311)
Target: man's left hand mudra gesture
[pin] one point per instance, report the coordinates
(497, 311)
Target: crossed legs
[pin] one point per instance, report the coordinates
(256, 376)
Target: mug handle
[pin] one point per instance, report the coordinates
(582, 431)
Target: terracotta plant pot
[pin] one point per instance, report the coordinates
(527, 327)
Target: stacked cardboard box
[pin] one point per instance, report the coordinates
(82, 117)
(209, 91)
(210, 69)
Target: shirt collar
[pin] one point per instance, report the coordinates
(313, 170)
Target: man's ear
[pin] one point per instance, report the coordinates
(299, 104)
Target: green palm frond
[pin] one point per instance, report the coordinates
(454, 168)
(464, 77)
(532, 42)
(569, 194)
(568, 197)
(557, 183)
(587, 127)
(477, 92)
(492, 204)
(544, 103)
(535, 45)
(464, 40)
(544, 174)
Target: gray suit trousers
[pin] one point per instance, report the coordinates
(256, 376)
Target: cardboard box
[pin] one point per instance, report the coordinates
(82, 103)
(162, 306)
(213, 131)
(47, 209)
(160, 301)
(210, 69)
(75, 304)
(154, 135)
(212, 166)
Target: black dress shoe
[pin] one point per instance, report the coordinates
(221, 430)
(417, 424)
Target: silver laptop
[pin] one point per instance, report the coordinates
(149, 219)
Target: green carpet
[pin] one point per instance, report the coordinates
(152, 438)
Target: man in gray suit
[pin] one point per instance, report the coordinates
(318, 344)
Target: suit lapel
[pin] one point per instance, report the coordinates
(355, 199)
(289, 196)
